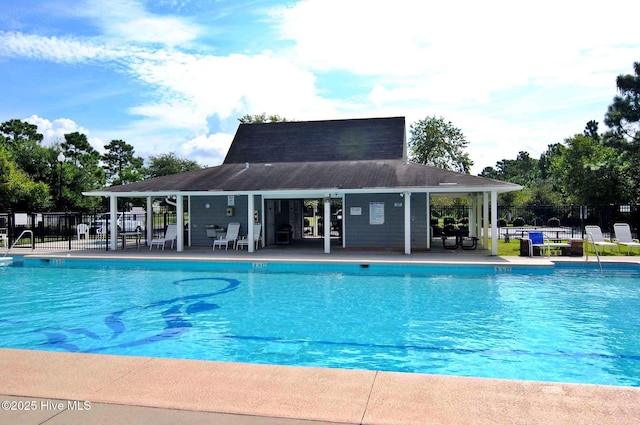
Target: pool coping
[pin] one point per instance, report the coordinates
(289, 392)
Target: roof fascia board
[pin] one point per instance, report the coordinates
(313, 193)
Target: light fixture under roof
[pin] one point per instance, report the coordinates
(447, 184)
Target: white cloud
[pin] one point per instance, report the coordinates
(196, 87)
(207, 150)
(58, 49)
(53, 131)
(128, 21)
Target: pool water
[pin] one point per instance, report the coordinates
(566, 324)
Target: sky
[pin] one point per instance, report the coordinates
(175, 75)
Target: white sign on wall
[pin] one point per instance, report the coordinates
(376, 212)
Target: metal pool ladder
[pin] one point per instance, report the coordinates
(595, 248)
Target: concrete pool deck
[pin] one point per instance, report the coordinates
(144, 390)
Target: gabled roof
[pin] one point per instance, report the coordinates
(359, 155)
(351, 176)
(311, 141)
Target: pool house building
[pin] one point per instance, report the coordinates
(353, 173)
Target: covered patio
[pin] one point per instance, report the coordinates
(360, 164)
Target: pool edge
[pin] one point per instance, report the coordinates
(331, 395)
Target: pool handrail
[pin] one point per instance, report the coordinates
(33, 246)
(595, 248)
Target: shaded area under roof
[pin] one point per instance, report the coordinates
(311, 141)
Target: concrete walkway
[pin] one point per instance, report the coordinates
(66, 388)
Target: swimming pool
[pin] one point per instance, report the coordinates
(566, 324)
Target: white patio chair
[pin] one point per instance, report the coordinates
(256, 238)
(230, 237)
(623, 236)
(597, 239)
(83, 230)
(170, 235)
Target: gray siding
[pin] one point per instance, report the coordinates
(216, 214)
(360, 233)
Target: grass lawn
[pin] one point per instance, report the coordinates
(512, 248)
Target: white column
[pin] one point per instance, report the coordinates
(471, 216)
(250, 208)
(429, 229)
(494, 223)
(263, 220)
(189, 229)
(407, 223)
(113, 222)
(478, 223)
(326, 222)
(149, 224)
(485, 222)
(343, 222)
(180, 223)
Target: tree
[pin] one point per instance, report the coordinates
(591, 173)
(17, 190)
(120, 163)
(15, 130)
(523, 170)
(81, 172)
(166, 164)
(22, 143)
(438, 143)
(623, 116)
(261, 119)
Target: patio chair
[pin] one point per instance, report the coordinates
(3, 238)
(597, 239)
(83, 230)
(256, 238)
(170, 235)
(230, 237)
(623, 236)
(538, 239)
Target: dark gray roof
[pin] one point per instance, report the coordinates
(311, 141)
(329, 175)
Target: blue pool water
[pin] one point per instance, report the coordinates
(568, 324)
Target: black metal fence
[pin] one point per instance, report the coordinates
(67, 230)
(573, 217)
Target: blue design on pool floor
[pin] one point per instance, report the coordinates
(175, 322)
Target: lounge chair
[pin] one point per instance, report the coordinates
(597, 239)
(170, 235)
(82, 230)
(256, 238)
(230, 237)
(623, 236)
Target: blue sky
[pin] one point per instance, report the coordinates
(175, 75)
